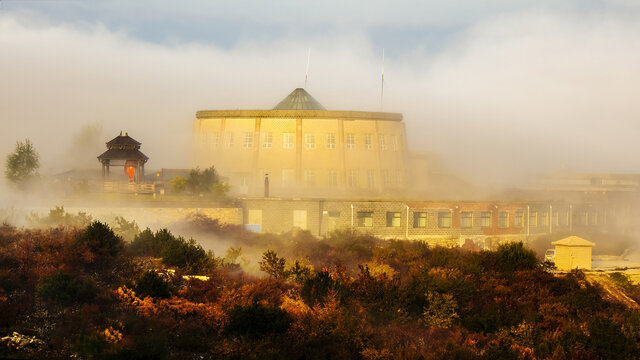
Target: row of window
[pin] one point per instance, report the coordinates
(483, 219)
(311, 178)
(310, 140)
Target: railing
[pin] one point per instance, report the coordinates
(110, 186)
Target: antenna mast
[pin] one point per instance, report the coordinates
(382, 84)
(306, 74)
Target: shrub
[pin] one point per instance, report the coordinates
(148, 244)
(316, 287)
(441, 311)
(59, 217)
(128, 230)
(151, 284)
(273, 265)
(65, 289)
(258, 321)
(202, 181)
(185, 254)
(608, 341)
(514, 256)
(101, 241)
(178, 184)
(143, 244)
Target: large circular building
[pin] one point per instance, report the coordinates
(305, 149)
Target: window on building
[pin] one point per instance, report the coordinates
(287, 177)
(466, 219)
(386, 179)
(485, 219)
(310, 141)
(371, 179)
(503, 219)
(593, 218)
(368, 142)
(300, 219)
(444, 219)
(582, 218)
(393, 219)
(310, 178)
(533, 218)
(350, 141)
(352, 178)
(396, 178)
(545, 218)
(267, 140)
(365, 218)
(214, 139)
(244, 179)
(228, 141)
(382, 142)
(248, 140)
(518, 219)
(288, 140)
(331, 141)
(419, 219)
(332, 178)
(395, 143)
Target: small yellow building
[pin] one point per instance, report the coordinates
(573, 253)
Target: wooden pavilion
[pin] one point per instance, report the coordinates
(124, 151)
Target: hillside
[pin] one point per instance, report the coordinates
(84, 292)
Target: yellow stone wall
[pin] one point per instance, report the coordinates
(310, 166)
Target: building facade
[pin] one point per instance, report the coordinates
(304, 149)
(440, 223)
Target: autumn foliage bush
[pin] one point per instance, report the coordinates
(88, 294)
(65, 289)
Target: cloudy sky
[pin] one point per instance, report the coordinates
(498, 89)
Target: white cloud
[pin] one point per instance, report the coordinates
(526, 91)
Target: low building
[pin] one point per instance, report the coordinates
(573, 253)
(446, 223)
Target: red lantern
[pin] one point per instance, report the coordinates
(130, 171)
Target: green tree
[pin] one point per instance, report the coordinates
(127, 230)
(257, 321)
(203, 181)
(23, 163)
(65, 289)
(100, 241)
(514, 256)
(441, 311)
(187, 255)
(273, 265)
(178, 184)
(151, 284)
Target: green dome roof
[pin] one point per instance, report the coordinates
(299, 99)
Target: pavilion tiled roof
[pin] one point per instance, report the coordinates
(123, 154)
(123, 147)
(123, 141)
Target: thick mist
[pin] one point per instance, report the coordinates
(509, 96)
